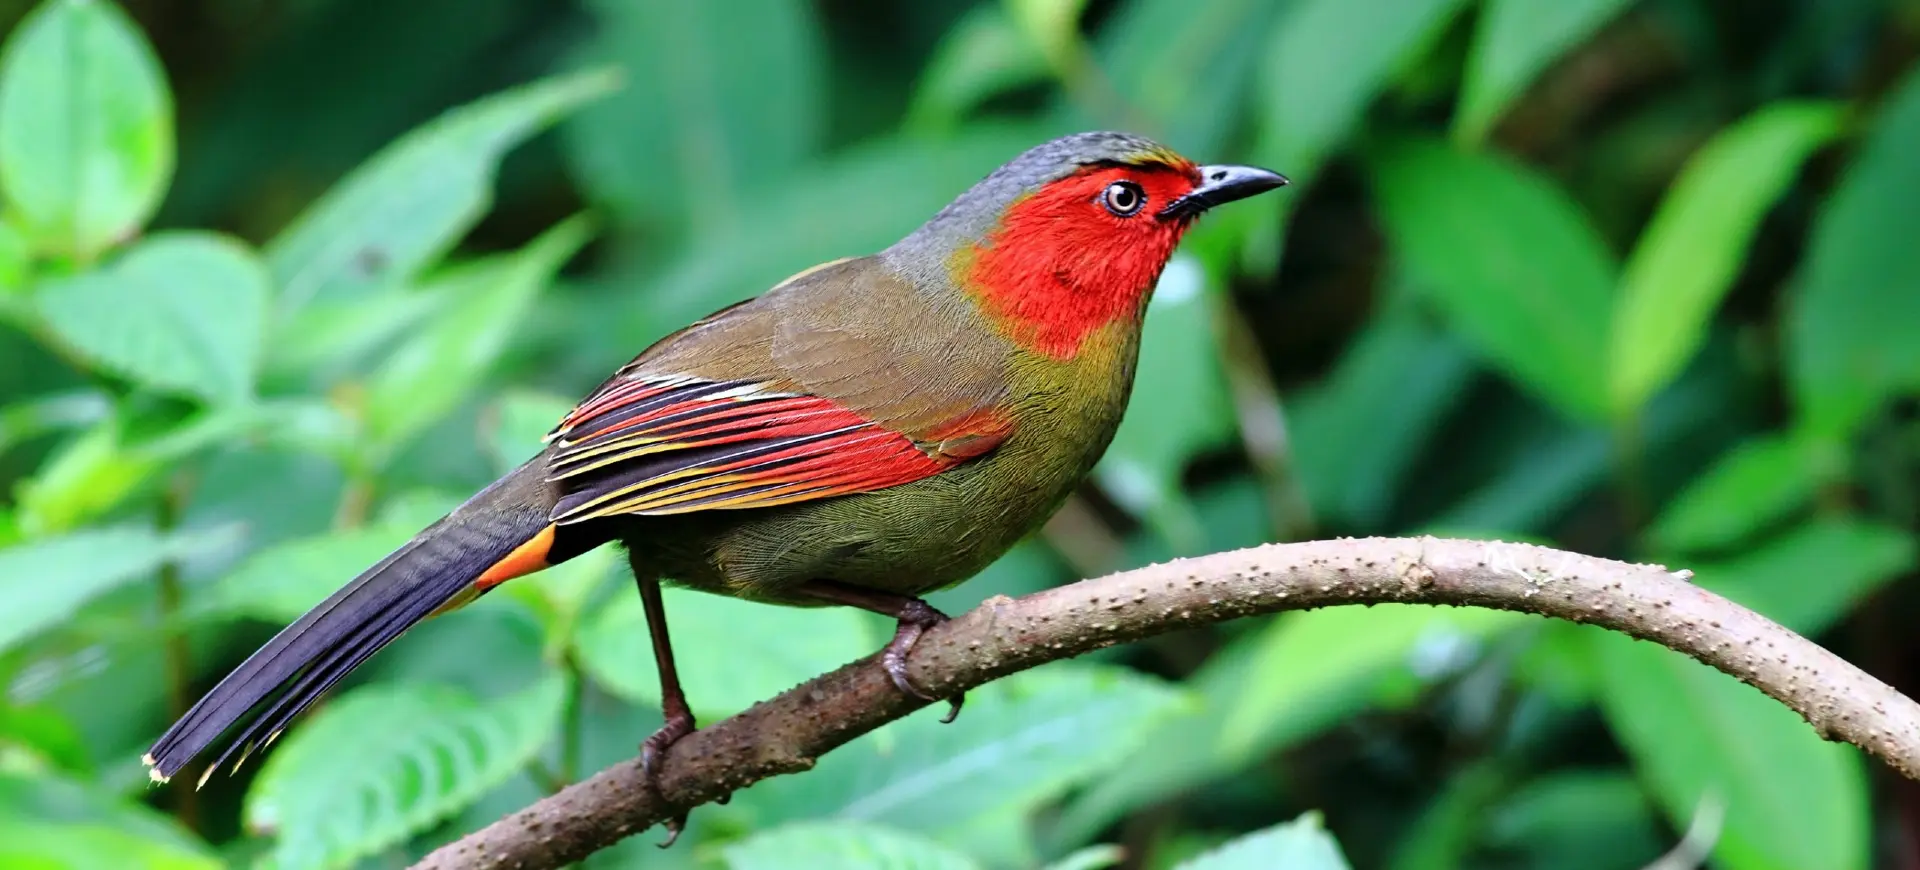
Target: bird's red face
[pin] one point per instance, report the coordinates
(1086, 250)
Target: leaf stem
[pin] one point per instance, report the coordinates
(178, 653)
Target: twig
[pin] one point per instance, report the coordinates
(786, 733)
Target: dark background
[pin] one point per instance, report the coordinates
(1636, 279)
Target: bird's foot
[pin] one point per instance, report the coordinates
(915, 618)
(653, 752)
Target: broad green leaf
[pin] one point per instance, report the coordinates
(1510, 260)
(86, 477)
(522, 420)
(49, 740)
(731, 653)
(843, 846)
(183, 312)
(1091, 858)
(408, 204)
(86, 126)
(1184, 69)
(55, 802)
(1021, 741)
(1326, 61)
(1179, 407)
(712, 110)
(431, 374)
(1691, 251)
(1576, 818)
(1849, 327)
(1302, 844)
(280, 583)
(32, 417)
(981, 55)
(419, 753)
(1809, 577)
(1357, 432)
(1756, 483)
(337, 336)
(886, 189)
(43, 846)
(46, 581)
(1352, 654)
(1051, 25)
(16, 262)
(1792, 800)
(1514, 41)
(1304, 659)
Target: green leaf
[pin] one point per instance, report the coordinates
(183, 312)
(731, 652)
(408, 204)
(1357, 433)
(843, 846)
(1756, 483)
(1302, 844)
(29, 418)
(1578, 819)
(283, 581)
(1515, 41)
(1327, 60)
(16, 262)
(1022, 740)
(87, 476)
(1179, 407)
(419, 753)
(1184, 69)
(1510, 260)
(1052, 25)
(1849, 330)
(1691, 251)
(1304, 659)
(86, 126)
(46, 581)
(42, 846)
(745, 104)
(1792, 800)
(523, 419)
(1091, 858)
(428, 376)
(1851, 558)
(1353, 654)
(886, 189)
(58, 803)
(980, 56)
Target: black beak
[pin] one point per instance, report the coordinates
(1220, 185)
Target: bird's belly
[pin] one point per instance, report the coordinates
(910, 539)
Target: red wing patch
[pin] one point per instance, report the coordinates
(680, 444)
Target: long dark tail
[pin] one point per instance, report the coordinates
(501, 533)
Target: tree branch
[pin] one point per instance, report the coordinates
(786, 733)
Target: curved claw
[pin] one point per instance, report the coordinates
(913, 623)
(674, 826)
(653, 751)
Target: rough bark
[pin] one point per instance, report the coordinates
(786, 733)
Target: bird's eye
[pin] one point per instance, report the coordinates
(1123, 198)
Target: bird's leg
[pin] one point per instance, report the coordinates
(915, 616)
(673, 702)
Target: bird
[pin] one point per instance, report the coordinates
(866, 432)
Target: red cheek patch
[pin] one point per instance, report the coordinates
(1061, 266)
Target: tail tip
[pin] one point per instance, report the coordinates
(153, 769)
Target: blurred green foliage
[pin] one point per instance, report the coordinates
(281, 282)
